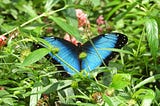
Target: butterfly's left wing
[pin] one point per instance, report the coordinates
(95, 54)
(67, 55)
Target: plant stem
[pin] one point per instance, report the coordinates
(35, 18)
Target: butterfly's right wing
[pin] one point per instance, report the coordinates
(95, 50)
(67, 54)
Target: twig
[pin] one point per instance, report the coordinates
(42, 15)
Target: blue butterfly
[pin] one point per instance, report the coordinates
(68, 54)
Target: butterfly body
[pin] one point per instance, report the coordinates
(95, 49)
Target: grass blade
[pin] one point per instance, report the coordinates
(148, 80)
(152, 36)
(35, 56)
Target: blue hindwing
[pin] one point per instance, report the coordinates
(95, 50)
(67, 54)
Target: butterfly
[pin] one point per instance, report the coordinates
(68, 54)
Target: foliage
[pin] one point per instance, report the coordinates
(28, 78)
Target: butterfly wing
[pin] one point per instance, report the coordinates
(95, 54)
(67, 55)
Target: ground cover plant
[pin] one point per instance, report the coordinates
(28, 78)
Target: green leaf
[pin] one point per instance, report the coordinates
(70, 15)
(3, 93)
(68, 93)
(81, 97)
(5, 82)
(120, 81)
(49, 4)
(157, 91)
(152, 36)
(44, 42)
(6, 98)
(146, 95)
(14, 13)
(29, 10)
(122, 14)
(108, 101)
(35, 56)
(73, 31)
(147, 80)
(82, 104)
(96, 2)
(8, 101)
(34, 98)
(57, 85)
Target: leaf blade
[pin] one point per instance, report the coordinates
(120, 81)
(152, 36)
(68, 28)
(35, 56)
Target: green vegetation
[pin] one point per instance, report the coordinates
(28, 78)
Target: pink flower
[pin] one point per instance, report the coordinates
(71, 39)
(82, 18)
(101, 24)
(2, 40)
(82, 21)
(100, 20)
